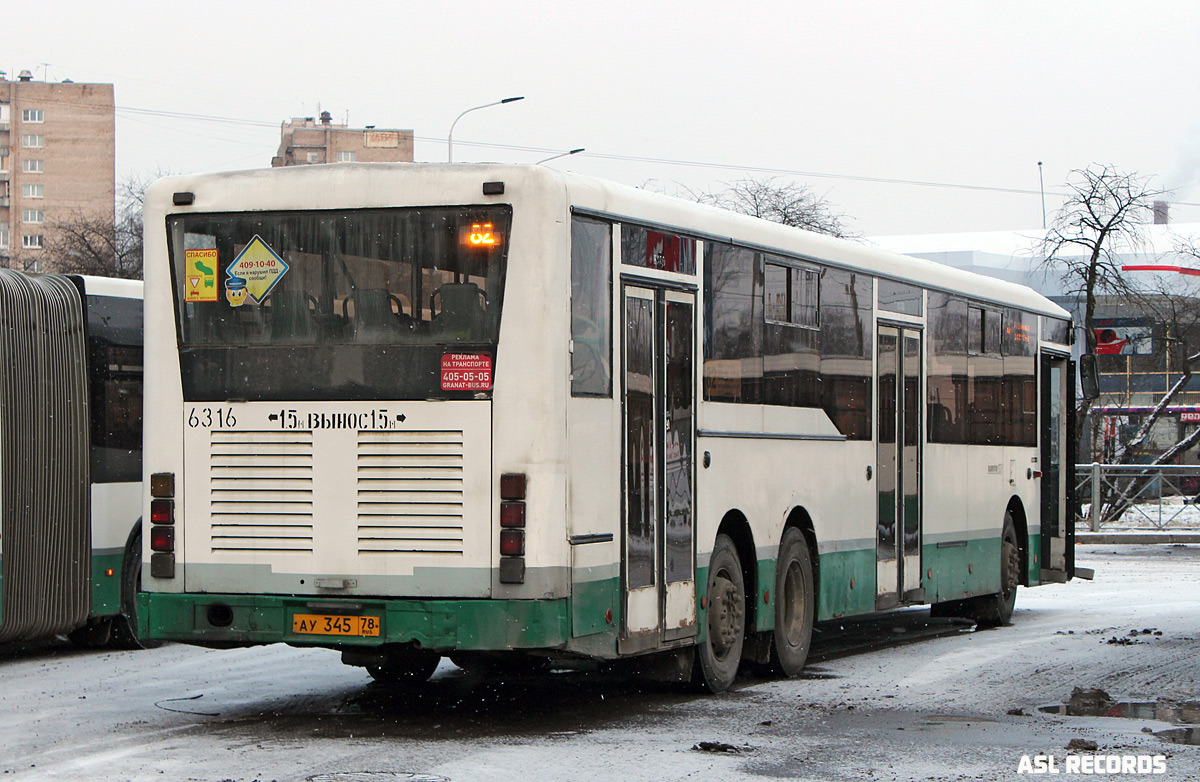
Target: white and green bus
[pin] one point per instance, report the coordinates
(70, 457)
(408, 411)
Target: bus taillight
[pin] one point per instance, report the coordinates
(512, 523)
(162, 511)
(512, 542)
(512, 514)
(162, 539)
(162, 525)
(512, 486)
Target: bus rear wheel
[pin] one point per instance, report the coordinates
(409, 667)
(720, 654)
(124, 630)
(794, 603)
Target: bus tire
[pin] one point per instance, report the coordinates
(995, 609)
(125, 634)
(408, 667)
(794, 603)
(720, 654)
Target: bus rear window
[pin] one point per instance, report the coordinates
(358, 304)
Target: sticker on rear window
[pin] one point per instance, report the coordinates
(466, 372)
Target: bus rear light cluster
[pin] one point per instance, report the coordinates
(162, 525)
(512, 524)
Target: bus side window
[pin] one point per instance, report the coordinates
(591, 307)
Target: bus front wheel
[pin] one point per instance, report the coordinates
(725, 605)
(794, 603)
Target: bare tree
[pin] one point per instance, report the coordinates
(87, 244)
(1102, 219)
(1100, 226)
(787, 203)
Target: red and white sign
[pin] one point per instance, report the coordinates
(1189, 416)
(466, 372)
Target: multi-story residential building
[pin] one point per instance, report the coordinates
(304, 141)
(57, 163)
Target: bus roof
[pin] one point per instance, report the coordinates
(112, 286)
(372, 185)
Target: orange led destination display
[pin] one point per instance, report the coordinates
(480, 235)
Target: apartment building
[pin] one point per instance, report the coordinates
(305, 141)
(57, 162)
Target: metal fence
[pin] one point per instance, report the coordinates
(1137, 495)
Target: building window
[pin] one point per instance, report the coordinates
(31, 241)
(33, 216)
(32, 115)
(30, 166)
(33, 140)
(4, 161)
(3, 237)
(4, 116)
(33, 191)
(314, 157)
(347, 157)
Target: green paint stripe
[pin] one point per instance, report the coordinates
(443, 625)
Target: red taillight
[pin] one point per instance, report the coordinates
(162, 511)
(162, 539)
(512, 486)
(512, 514)
(512, 542)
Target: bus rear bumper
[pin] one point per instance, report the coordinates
(439, 625)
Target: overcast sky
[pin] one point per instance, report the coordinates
(967, 96)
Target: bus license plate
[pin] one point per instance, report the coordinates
(322, 624)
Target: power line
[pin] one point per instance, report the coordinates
(645, 159)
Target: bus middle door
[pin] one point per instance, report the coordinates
(898, 467)
(657, 550)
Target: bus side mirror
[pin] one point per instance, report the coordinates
(1089, 380)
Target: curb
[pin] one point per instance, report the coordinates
(1137, 538)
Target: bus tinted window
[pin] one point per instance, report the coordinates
(652, 249)
(115, 355)
(899, 297)
(733, 346)
(357, 304)
(947, 372)
(591, 307)
(846, 372)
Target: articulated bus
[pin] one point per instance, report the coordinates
(70, 457)
(487, 411)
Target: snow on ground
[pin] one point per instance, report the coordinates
(937, 708)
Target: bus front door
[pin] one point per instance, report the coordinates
(657, 550)
(898, 468)
(1057, 534)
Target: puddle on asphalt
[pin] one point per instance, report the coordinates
(1185, 713)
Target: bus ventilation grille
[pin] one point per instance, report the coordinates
(262, 491)
(410, 492)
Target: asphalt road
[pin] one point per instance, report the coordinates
(894, 696)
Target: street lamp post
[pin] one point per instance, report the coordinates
(560, 154)
(450, 135)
